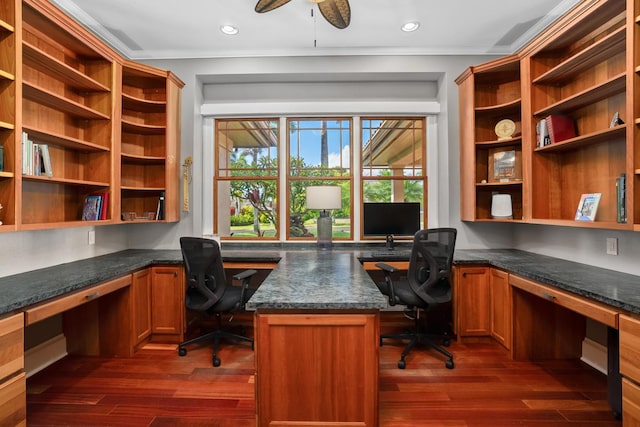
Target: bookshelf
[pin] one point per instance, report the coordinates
(149, 142)
(489, 93)
(111, 125)
(10, 25)
(579, 67)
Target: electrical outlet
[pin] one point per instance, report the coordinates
(612, 246)
(92, 237)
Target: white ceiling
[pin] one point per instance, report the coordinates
(162, 29)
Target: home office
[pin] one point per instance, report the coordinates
(224, 78)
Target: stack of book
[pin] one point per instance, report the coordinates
(555, 128)
(96, 207)
(621, 198)
(36, 160)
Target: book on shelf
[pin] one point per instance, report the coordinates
(91, 209)
(542, 133)
(1, 158)
(621, 198)
(46, 160)
(560, 127)
(588, 207)
(160, 207)
(104, 205)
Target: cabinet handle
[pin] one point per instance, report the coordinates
(93, 295)
(464, 275)
(548, 296)
(175, 274)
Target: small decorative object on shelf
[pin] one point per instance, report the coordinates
(0, 213)
(616, 120)
(92, 208)
(588, 207)
(621, 198)
(505, 129)
(503, 165)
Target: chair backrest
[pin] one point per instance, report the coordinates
(206, 281)
(430, 263)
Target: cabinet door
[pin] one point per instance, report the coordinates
(472, 301)
(500, 292)
(630, 404)
(167, 303)
(141, 291)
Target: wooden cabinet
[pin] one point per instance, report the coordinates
(150, 135)
(501, 309)
(141, 305)
(630, 369)
(490, 93)
(582, 68)
(167, 303)
(317, 369)
(10, 28)
(472, 301)
(13, 402)
(67, 104)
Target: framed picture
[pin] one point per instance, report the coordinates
(588, 207)
(505, 165)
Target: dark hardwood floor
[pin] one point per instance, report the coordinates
(156, 388)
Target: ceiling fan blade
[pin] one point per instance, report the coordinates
(267, 5)
(337, 12)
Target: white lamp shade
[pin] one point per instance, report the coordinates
(324, 197)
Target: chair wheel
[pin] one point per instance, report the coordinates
(401, 364)
(449, 364)
(446, 342)
(182, 351)
(216, 362)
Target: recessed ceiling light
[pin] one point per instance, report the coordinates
(229, 30)
(410, 26)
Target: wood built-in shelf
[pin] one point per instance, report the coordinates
(5, 125)
(141, 128)
(5, 26)
(57, 102)
(46, 63)
(637, 171)
(62, 140)
(501, 108)
(59, 224)
(583, 224)
(4, 174)
(499, 184)
(596, 53)
(142, 160)
(588, 96)
(499, 143)
(587, 139)
(141, 189)
(7, 75)
(143, 105)
(65, 181)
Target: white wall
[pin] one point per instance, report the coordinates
(29, 250)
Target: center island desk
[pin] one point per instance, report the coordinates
(317, 329)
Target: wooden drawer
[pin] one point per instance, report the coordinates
(630, 404)
(13, 401)
(630, 347)
(11, 346)
(65, 303)
(592, 310)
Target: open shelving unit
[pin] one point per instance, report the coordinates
(489, 93)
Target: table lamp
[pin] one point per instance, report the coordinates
(323, 198)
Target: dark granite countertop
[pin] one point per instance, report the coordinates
(307, 278)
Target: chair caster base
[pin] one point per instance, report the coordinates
(401, 364)
(216, 362)
(182, 351)
(449, 364)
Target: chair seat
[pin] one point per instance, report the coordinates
(405, 295)
(230, 301)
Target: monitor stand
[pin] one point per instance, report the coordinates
(389, 244)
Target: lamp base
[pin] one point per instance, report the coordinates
(325, 231)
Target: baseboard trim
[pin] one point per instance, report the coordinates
(595, 355)
(44, 354)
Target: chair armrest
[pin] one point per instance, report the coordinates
(386, 267)
(245, 274)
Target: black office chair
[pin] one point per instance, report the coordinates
(427, 287)
(207, 291)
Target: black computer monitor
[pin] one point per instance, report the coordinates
(390, 219)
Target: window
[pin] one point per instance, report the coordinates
(393, 161)
(319, 154)
(246, 178)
